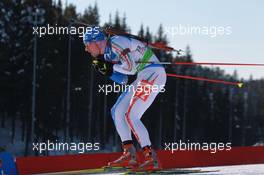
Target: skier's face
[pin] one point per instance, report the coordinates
(95, 48)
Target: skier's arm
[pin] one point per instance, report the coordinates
(103, 67)
(121, 47)
(106, 68)
(127, 67)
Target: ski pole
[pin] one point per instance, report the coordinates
(239, 84)
(200, 63)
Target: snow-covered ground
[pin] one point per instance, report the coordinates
(256, 169)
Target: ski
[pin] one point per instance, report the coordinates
(125, 171)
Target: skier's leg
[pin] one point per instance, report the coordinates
(140, 102)
(118, 115)
(128, 158)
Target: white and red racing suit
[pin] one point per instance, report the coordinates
(133, 57)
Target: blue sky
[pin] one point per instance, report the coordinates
(245, 44)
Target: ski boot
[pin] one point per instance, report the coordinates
(151, 162)
(127, 160)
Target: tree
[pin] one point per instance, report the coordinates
(91, 15)
(141, 32)
(148, 35)
(117, 21)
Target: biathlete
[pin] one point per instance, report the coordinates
(123, 56)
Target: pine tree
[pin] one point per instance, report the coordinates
(91, 15)
(124, 25)
(110, 23)
(148, 35)
(117, 24)
(70, 12)
(161, 37)
(188, 57)
(141, 32)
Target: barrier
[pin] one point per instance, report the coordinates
(179, 159)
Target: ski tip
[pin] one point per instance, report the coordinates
(240, 85)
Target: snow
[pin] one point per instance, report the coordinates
(254, 169)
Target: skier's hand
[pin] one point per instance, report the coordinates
(103, 67)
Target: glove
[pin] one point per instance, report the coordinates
(103, 67)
